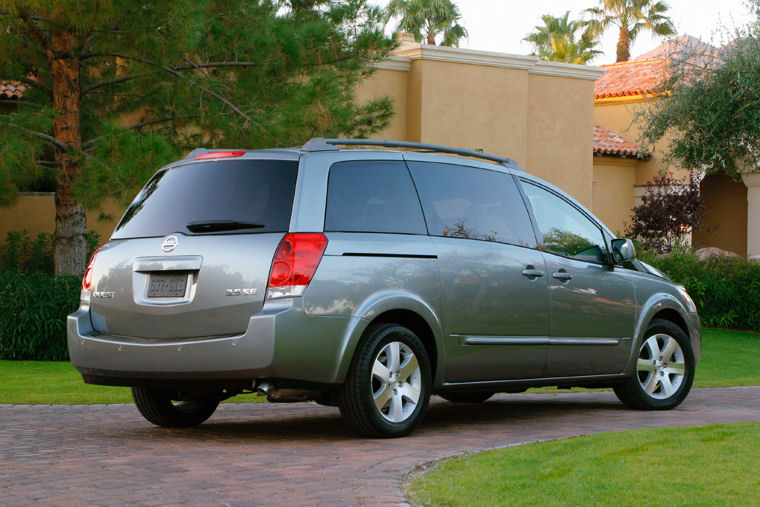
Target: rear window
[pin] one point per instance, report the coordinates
(234, 196)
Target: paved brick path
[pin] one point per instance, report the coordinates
(300, 454)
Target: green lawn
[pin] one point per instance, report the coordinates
(729, 358)
(708, 465)
(54, 382)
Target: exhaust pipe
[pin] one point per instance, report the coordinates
(276, 395)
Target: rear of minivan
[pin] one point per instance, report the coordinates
(176, 296)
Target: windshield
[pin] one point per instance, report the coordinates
(232, 196)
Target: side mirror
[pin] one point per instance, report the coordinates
(623, 250)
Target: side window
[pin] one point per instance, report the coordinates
(372, 196)
(467, 202)
(566, 231)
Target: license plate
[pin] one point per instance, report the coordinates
(166, 285)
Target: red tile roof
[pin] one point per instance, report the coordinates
(11, 90)
(637, 77)
(609, 144)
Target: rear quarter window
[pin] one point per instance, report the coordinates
(372, 196)
(258, 192)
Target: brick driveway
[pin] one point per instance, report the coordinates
(300, 454)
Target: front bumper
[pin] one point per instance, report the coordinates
(280, 342)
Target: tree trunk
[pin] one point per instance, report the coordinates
(70, 221)
(623, 46)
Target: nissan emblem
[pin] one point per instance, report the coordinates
(169, 244)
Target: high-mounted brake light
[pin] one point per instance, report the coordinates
(295, 262)
(87, 278)
(219, 154)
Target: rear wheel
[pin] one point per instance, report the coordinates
(387, 389)
(158, 407)
(476, 397)
(664, 369)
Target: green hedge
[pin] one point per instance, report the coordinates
(726, 291)
(33, 310)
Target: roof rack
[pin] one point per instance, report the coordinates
(322, 144)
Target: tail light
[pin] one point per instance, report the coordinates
(87, 278)
(219, 154)
(294, 264)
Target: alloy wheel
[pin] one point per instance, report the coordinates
(396, 382)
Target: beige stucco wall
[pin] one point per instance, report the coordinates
(613, 191)
(725, 222)
(473, 106)
(392, 83)
(36, 214)
(560, 133)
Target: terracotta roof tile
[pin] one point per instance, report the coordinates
(637, 77)
(607, 143)
(11, 90)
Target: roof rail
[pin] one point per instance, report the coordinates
(322, 144)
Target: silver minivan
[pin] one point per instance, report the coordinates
(371, 279)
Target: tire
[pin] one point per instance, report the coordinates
(474, 397)
(157, 406)
(387, 389)
(664, 369)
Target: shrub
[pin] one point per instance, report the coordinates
(33, 310)
(27, 255)
(669, 209)
(726, 291)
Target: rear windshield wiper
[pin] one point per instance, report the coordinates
(221, 225)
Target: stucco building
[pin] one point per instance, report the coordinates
(621, 174)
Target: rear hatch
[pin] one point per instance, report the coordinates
(192, 254)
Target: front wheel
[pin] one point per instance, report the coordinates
(664, 369)
(387, 389)
(158, 407)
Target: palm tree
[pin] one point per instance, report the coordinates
(427, 19)
(556, 41)
(630, 16)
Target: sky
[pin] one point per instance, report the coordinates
(500, 25)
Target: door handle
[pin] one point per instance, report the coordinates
(562, 275)
(532, 273)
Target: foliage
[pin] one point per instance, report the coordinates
(630, 17)
(566, 243)
(707, 465)
(726, 291)
(556, 40)
(116, 88)
(24, 254)
(669, 210)
(428, 19)
(711, 115)
(33, 310)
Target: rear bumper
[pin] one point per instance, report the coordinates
(280, 342)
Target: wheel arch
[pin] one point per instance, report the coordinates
(398, 307)
(662, 306)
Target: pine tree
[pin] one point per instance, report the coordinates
(116, 88)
